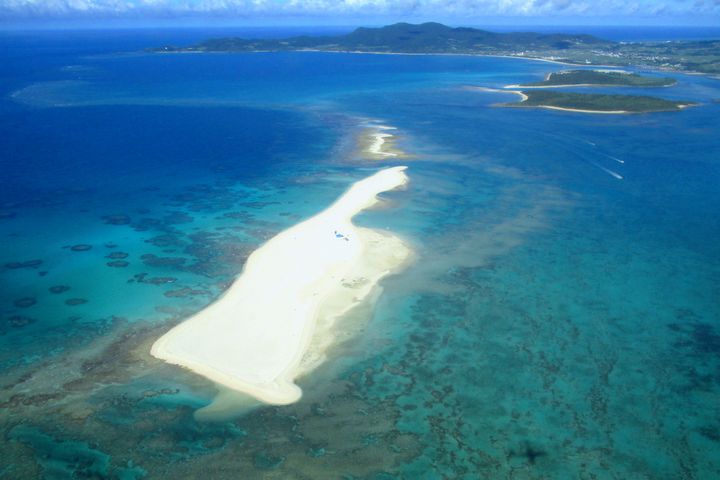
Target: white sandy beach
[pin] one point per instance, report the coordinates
(570, 85)
(379, 140)
(254, 339)
(522, 96)
(578, 110)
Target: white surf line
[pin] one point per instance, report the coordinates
(255, 338)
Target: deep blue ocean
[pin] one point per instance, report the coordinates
(561, 319)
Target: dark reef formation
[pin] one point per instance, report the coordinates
(75, 301)
(25, 302)
(57, 289)
(19, 321)
(117, 219)
(186, 292)
(118, 264)
(155, 261)
(25, 264)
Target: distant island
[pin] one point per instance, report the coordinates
(435, 38)
(544, 94)
(597, 103)
(600, 78)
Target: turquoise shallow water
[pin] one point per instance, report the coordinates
(558, 322)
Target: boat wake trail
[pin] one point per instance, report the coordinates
(606, 170)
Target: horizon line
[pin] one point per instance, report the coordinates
(164, 24)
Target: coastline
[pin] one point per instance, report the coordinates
(448, 54)
(360, 52)
(254, 338)
(608, 112)
(578, 110)
(584, 85)
(523, 97)
(601, 70)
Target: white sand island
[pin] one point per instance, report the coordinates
(255, 338)
(380, 137)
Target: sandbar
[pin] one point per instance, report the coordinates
(254, 339)
(379, 140)
(522, 96)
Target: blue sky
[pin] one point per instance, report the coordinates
(369, 12)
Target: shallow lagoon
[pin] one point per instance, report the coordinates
(558, 322)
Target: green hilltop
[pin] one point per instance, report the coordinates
(599, 102)
(601, 78)
(436, 38)
(408, 38)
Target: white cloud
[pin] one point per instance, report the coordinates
(464, 9)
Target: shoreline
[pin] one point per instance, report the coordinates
(651, 68)
(523, 96)
(447, 54)
(254, 338)
(610, 112)
(359, 52)
(579, 110)
(586, 85)
(601, 70)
